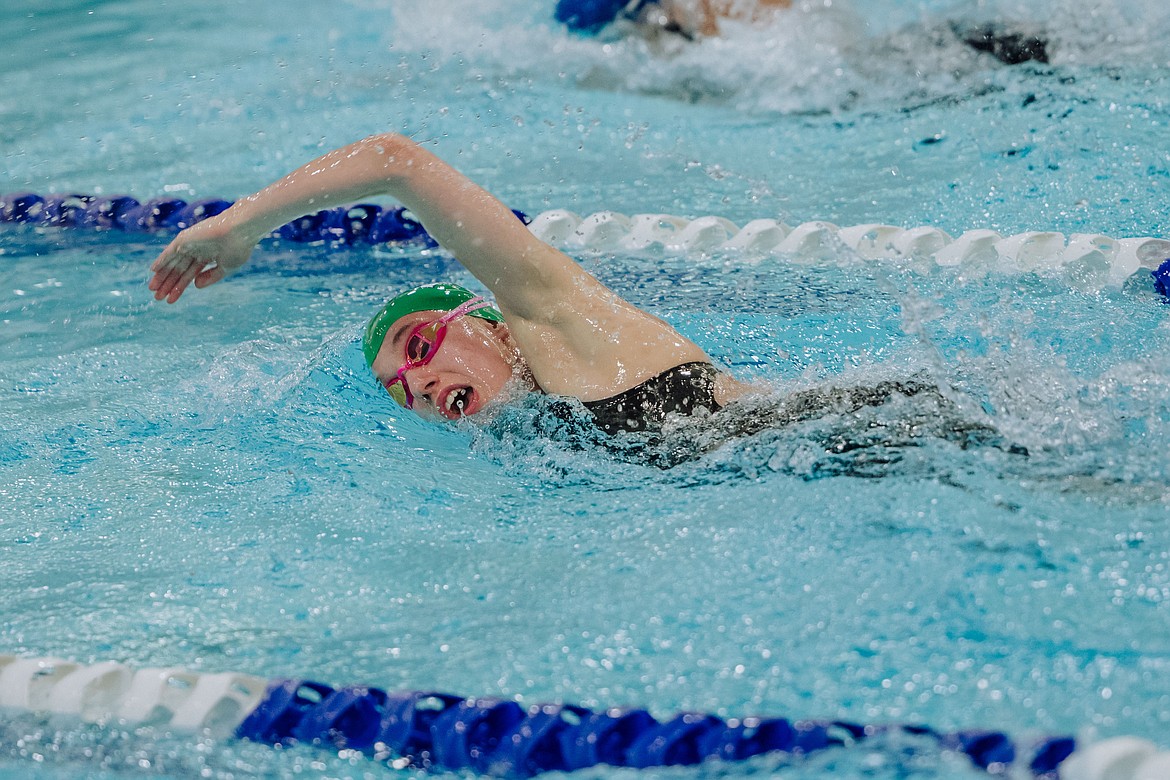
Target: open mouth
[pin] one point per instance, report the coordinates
(457, 403)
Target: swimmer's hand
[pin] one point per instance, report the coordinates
(204, 253)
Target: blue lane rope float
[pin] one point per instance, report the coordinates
(500, 737)
(363, 223)
(1162, 278)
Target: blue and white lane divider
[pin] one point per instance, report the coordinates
(500, 737)
(1088, 260)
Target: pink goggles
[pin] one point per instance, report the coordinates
(421, 345)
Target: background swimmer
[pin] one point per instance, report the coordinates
(693, 19)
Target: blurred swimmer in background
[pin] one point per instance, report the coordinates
(697, 19)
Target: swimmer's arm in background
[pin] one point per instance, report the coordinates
(685, 17)
(708, 23)
(703, 17)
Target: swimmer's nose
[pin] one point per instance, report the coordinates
(423, 382)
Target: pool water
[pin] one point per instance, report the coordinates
(220, 485)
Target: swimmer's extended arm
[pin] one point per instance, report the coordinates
(469, 222)
(578, 337)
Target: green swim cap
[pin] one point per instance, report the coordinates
(429, 297)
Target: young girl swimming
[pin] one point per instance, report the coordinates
(441, 350)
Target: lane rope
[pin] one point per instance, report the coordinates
(1089, 260)
(441, 731)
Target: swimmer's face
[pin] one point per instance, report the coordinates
(470, 367)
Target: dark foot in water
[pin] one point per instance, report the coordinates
(1010, 48)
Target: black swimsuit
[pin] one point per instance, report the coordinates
(831, 420)
(680, 390)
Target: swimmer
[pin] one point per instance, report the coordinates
(694, 19)
(442, 351)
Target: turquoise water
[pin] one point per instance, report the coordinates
(219, 485)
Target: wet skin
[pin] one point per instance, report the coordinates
(474, 363)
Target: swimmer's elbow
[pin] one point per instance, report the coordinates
(388, 143)
(392, 155)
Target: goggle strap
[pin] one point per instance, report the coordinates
(467, 307)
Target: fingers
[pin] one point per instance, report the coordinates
(176, 268)
(184, 279)
(166, 268)
(190, 258)
(164, 282)
(172, 275)
(170, 283)
(172, 254)
(160, 275)
(210, 276)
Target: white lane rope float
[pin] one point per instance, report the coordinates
(1093, 258)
